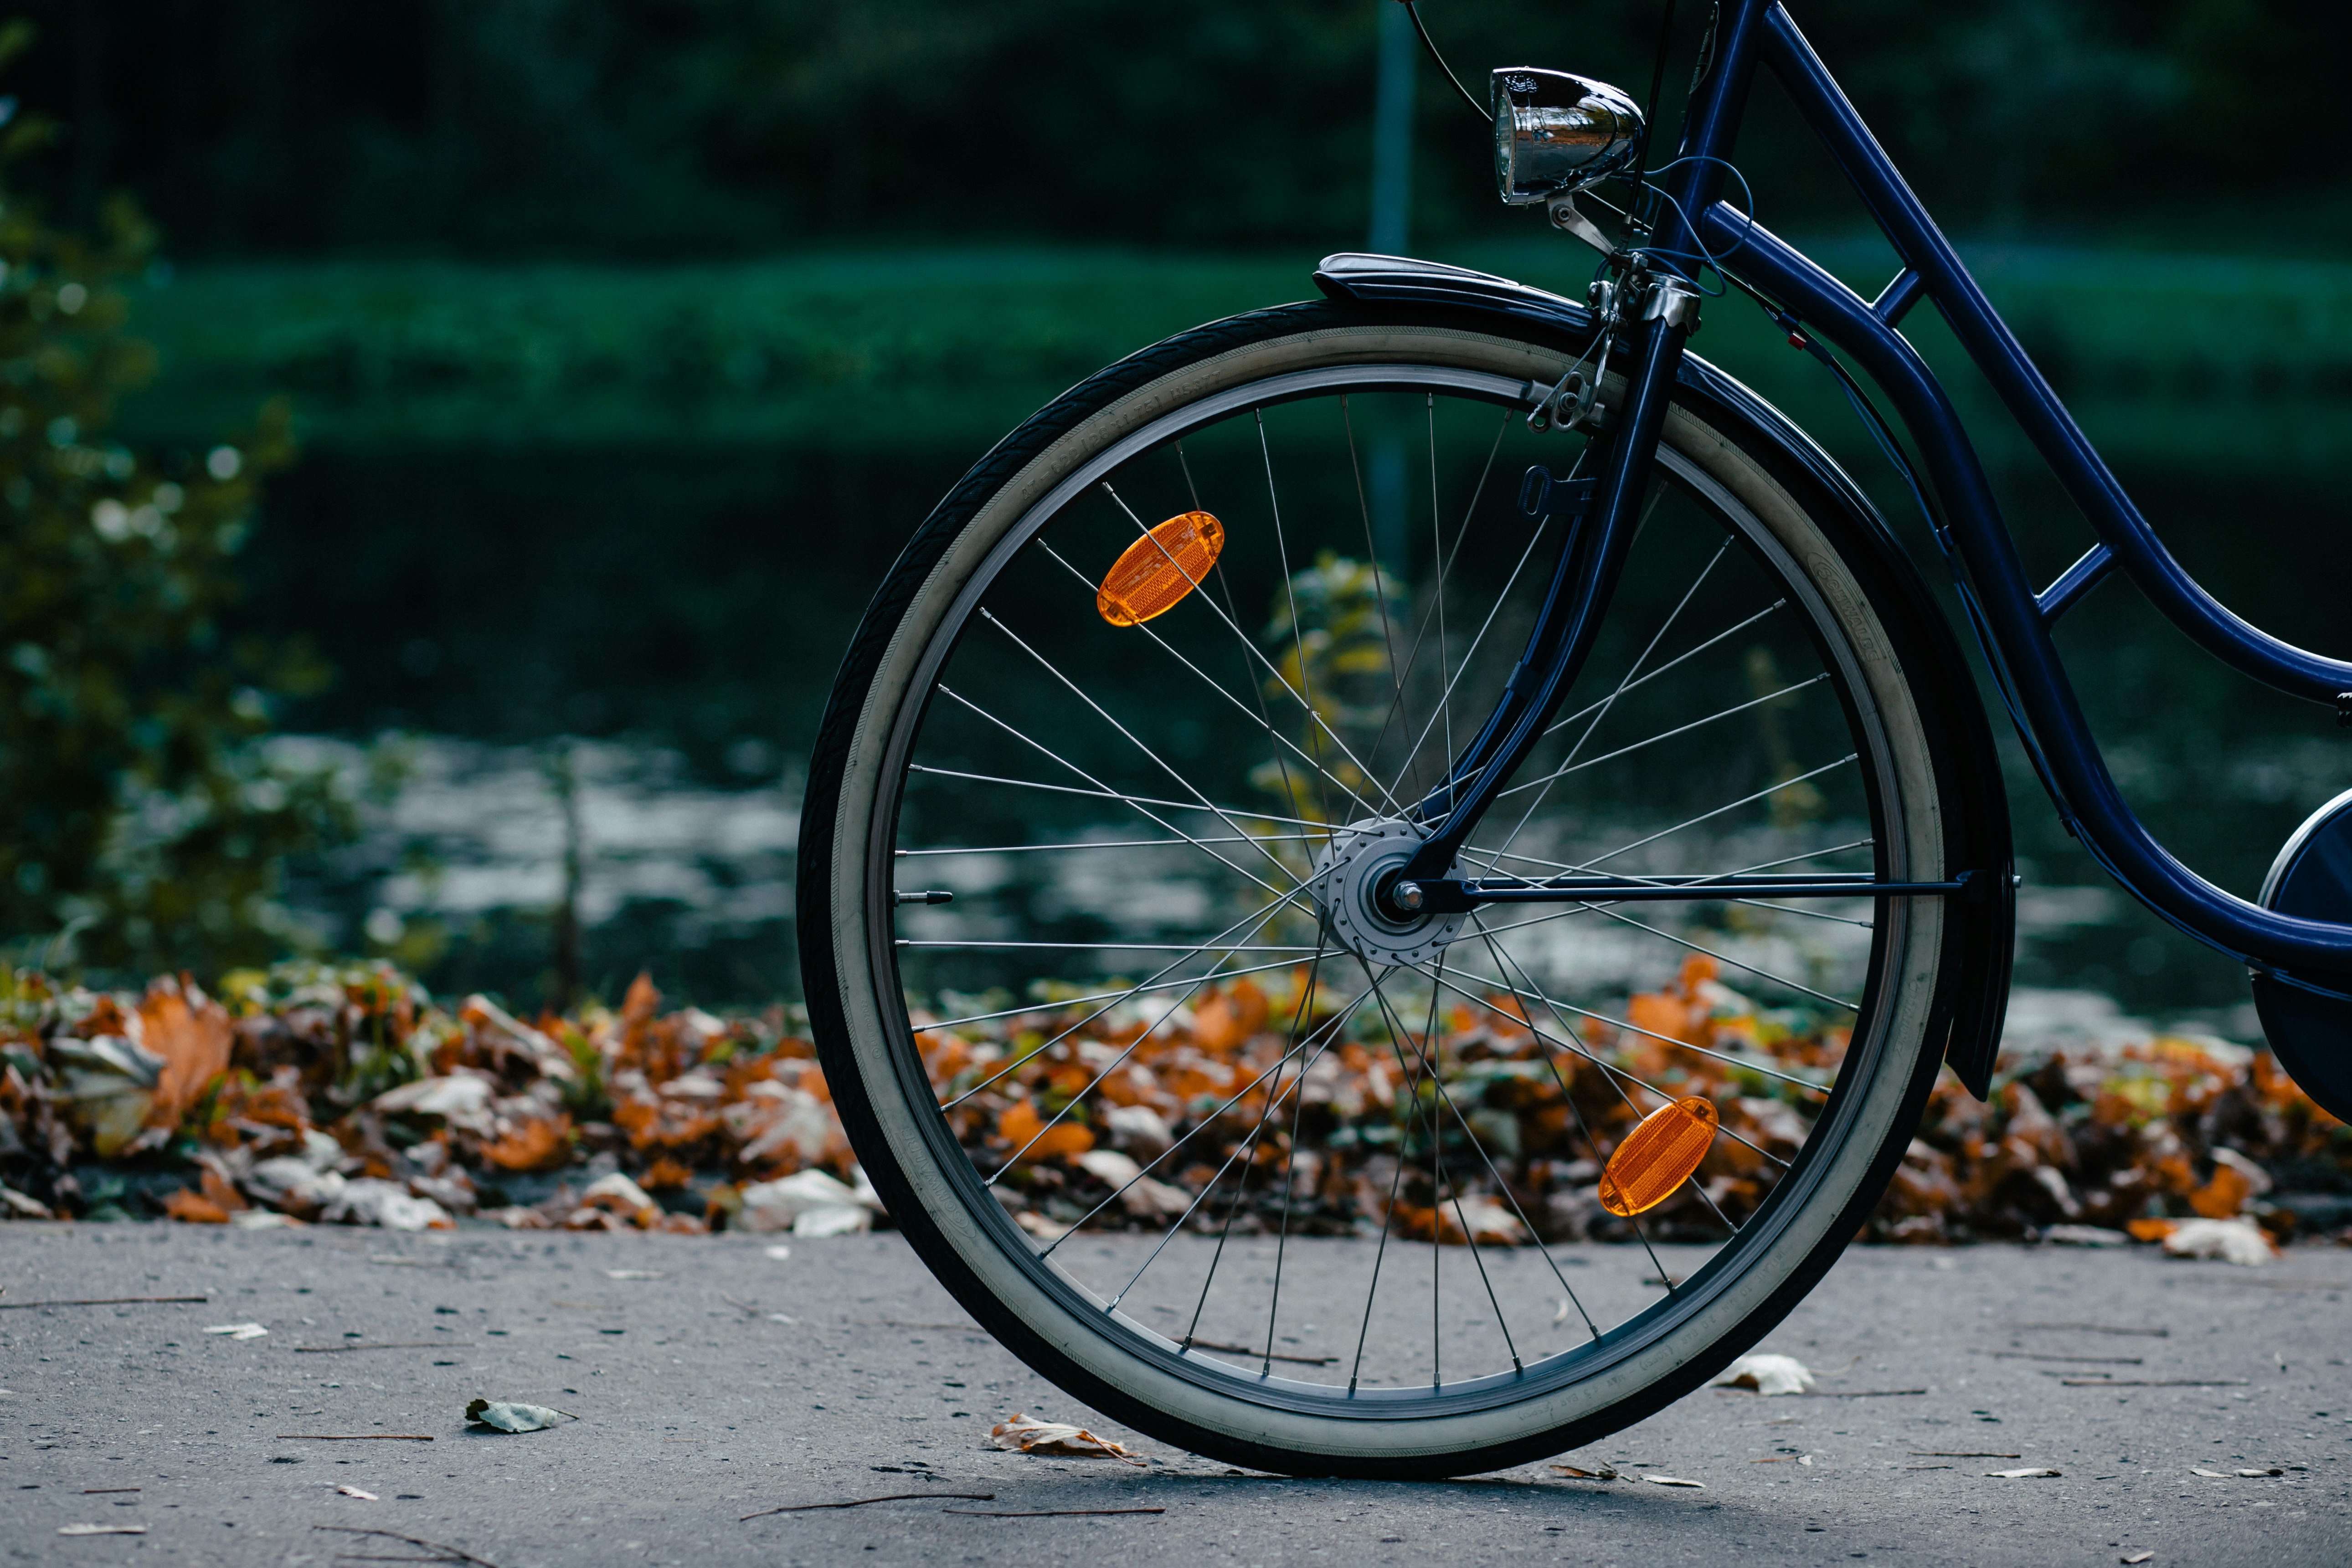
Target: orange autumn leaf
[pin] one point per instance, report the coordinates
(192, 1039)
(194, 1208)
(1227, 1017)
(1658, 1013)
(2224, 1196)
(666, 1173)
(1021, 1124)
(536, 1145)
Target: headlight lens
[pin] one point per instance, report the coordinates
(1555, 131)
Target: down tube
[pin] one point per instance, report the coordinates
(2089, 796)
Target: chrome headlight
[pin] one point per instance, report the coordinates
(1556, 132)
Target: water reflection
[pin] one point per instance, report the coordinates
(684, 611)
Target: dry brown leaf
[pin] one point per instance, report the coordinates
(1056, 1439)
(194, 1208)
(191, 1032)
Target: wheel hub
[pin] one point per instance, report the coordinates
(1347, 878)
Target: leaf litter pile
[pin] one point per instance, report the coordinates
(316, 1094)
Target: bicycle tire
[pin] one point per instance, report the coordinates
(1867, 624)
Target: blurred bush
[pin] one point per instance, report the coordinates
(144, 827)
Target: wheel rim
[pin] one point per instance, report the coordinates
(1264, 836)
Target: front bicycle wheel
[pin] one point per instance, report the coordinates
(1136, 718)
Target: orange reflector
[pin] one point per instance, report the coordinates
(1158, 570)
(1655, 1157)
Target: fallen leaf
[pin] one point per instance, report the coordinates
(1057, 1438)
(509, 1418)
(354, 1491)
(2085, 1235)
(2129, 1557)
(779, 1253)
(16, 1203)
(2209, 1475)
(2237, 1241)
(194, 1208)
(1674, 1481)
(1603, 1473)
(2028, 1474)
(238, 1331)
(1032, 1139)
(1766, 1375)
(631, 1274)
(808, 1202)
(2272, 1470)
(191, 1033)
(102, 1529)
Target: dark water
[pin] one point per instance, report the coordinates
(681, 614)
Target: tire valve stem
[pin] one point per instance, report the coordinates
(922, 896)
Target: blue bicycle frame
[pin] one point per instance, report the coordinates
(2013, 622)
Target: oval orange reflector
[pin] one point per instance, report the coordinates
(1657, 1156)
(1155, 572)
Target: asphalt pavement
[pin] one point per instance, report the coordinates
(713, 1380)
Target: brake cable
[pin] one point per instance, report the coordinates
(1480, 110)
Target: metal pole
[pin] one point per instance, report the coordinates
(1392, 133)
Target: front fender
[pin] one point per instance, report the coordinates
(1980, 944)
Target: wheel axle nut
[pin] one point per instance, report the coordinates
(1407, 895)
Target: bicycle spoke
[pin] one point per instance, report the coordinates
(1371, 552)
(1099, 995)
(1592, 1143)
(1217, 610)
(1567, 768)
(1397, 1035)
(1289, 1183)
(1115, 844)
(1096, 1082)
(1736, 963)
(1502, 961)
(1290, 594)
(1164, 766)
(1246, 1155)
(1137, 800)
(1211, 684)
(1682, 658)
(1573, 1045)
(1329, 1032)
(1744, 800)
(1421, 633)
(1262, 919)
(1405, 768)
(1625, 683)
(1437, 553)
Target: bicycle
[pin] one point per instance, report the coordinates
(1303, 816)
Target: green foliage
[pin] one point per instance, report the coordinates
(142, 820)
(1334, 638)
(675, 127)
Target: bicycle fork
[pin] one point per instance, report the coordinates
(1601, 514)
